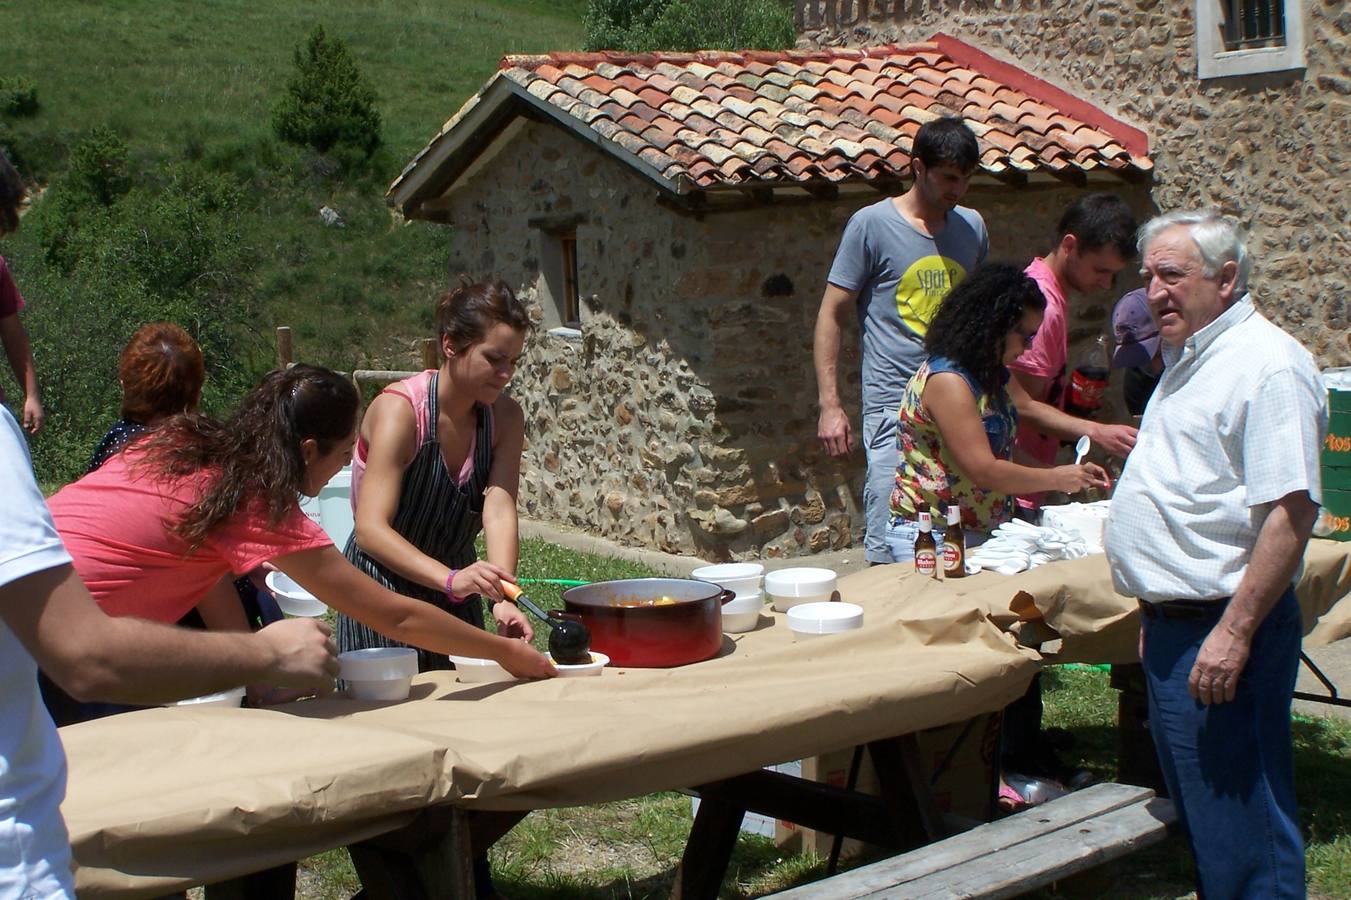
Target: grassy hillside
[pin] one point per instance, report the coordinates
(191, 85)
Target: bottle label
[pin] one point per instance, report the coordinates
(952, 557)
(1087, 387)
(926, 561)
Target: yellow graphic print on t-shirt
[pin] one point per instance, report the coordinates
(923, 287)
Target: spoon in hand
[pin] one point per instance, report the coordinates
(1081, 449)
(569, 641)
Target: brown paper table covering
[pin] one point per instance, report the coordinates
(165, 798)
(1076, 599)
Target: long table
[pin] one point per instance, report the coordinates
(162, 799)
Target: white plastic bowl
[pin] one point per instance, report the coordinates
(790, 587)
(473, 669)
(743, 613)
(743, 578)
(598, 662)
(293, 599)
(234, 697)
(810, 620)
(378, 673)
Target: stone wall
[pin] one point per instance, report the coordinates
(684, 417)
(1273, 149)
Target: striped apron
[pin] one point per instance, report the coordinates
(439, 517)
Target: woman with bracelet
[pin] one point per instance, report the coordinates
(437, 461)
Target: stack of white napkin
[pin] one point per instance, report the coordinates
(1018, 545)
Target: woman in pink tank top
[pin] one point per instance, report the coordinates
(437, 463)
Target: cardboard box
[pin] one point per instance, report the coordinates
(965, 755)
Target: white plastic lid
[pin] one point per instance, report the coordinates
(232, 698)
(800, 582)
(825, 618)
(728, 572)
(377, 664)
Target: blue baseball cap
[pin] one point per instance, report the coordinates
(1136, 332)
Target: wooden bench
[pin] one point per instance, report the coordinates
(1014, 855)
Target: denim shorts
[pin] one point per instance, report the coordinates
(901, 534)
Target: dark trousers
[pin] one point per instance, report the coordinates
(1230, 766)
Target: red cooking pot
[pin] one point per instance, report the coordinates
(630, 627)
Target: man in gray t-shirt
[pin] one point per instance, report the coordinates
(897, 260)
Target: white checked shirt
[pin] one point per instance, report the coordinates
(1237, 421)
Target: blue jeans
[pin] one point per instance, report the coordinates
(1230, 767)
(882, 454)
(901, 534)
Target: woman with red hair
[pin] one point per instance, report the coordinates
(161, 374)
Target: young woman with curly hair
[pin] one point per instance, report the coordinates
(956, 421)
(158, 525)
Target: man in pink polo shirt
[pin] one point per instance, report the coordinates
(1094, 241)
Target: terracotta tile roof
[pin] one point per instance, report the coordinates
(712, 120)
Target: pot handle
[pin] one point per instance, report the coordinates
(569, 616)
(726, 597)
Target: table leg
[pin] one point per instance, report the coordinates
(904, 784)
(708, 850)
(432, 857)
(277, 883)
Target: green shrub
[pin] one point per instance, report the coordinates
(97, 177)
(327, 103)
(18, 96)
(167, 251)
(642, 25)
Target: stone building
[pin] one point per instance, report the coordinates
(1247, 104)
(670, 219)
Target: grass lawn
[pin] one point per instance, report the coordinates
(629, 849)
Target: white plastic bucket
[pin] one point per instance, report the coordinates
(332, 509)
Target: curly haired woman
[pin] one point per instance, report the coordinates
(956, 422)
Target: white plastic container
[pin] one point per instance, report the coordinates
(743, 578)
(743, 613)
(582, 670)
(293, 599)
(810, 620)
(332, 509)
(378, 673)
(233, 698)
(790, 587)
(474, 669)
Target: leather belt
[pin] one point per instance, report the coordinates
(1183, 609)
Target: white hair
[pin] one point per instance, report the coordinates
(1218, 239)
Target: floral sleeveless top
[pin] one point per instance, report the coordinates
(927, 477)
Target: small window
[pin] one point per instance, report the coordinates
(571, 306)
(1254, 23)
(1248, 37)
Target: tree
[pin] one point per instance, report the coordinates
(327, 104)
(643, 25)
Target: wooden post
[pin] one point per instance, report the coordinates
(430, 357)
(283, 346)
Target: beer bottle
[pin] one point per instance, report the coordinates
(954, 545)
(926, 551)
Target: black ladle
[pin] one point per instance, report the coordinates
(569, 641)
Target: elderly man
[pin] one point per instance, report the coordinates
(1208, 528)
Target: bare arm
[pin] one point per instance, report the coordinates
(832, 425)
(952, 406)
(1024, 388)
(501, 527)
(20, 354)
(221, 610)
(1277, 553)
(327, 574)
(96, 657)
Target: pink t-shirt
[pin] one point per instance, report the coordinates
(114, 522)
(1046, 358)
(11, 301)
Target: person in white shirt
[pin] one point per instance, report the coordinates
(47, 618)
(1208, 528)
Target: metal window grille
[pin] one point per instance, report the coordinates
(572, 306)
(1254, 23)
